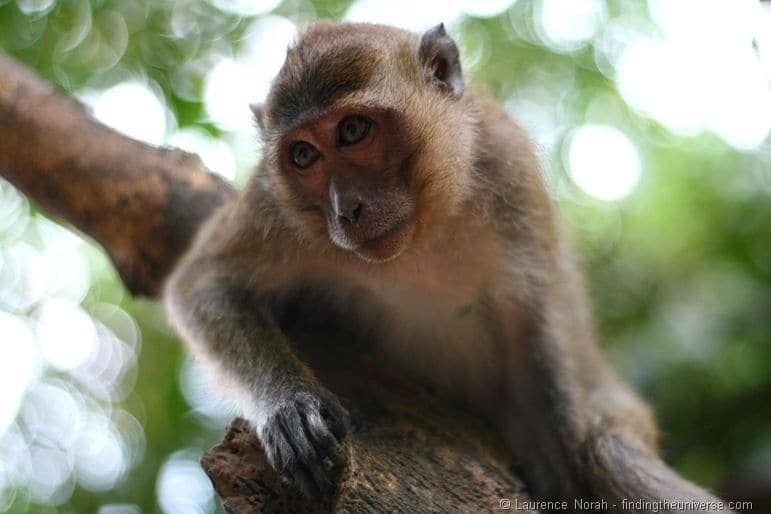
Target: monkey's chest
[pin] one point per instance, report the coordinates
(444, 334)
(431, 313)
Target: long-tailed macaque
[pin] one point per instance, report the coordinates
(394, 196)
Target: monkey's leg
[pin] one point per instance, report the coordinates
(632, 477)
(583, 434)
(536, 418)
(300, 423)
(621, 462)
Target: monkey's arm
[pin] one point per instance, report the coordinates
(226, 320)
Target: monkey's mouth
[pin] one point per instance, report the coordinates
(388, 245)
(374, 241)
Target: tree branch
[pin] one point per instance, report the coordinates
(409, 452)
(141, 203)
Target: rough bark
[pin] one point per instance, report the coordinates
(409, 452)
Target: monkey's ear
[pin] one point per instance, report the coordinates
(259, 114)
(441, 59)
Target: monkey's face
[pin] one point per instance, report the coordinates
(351, 166)
(367, 140)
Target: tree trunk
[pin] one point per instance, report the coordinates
(408, 451)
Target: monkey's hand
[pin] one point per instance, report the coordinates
(302, 439)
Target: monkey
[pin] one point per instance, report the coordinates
(393, 196)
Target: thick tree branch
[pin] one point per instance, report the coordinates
(408, 452)
(141, 203)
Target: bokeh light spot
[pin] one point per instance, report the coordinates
(35, 6)
(50, 481)
(703, 73)
(52, 413)
(99, 457)
(603, 162)
(569, 25)
(235, 82)
(131, 108)
(199, 391)
(246, 7)
(20, 365)
(486, 8)
(406, 14)
(214, 153)
(183, 487)
(119, 508)
(66, 334)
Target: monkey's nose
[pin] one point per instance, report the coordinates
(351, 213)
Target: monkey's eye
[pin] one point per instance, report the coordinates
(303, 154)
(353, 129)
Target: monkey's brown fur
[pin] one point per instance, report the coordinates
(456, 268)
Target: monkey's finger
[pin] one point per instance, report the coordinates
(309, 461)
(295, 474)
(326, 442)
(285, 459)
(276, 446)
(336, 417)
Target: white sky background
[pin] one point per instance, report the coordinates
(699, 73)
